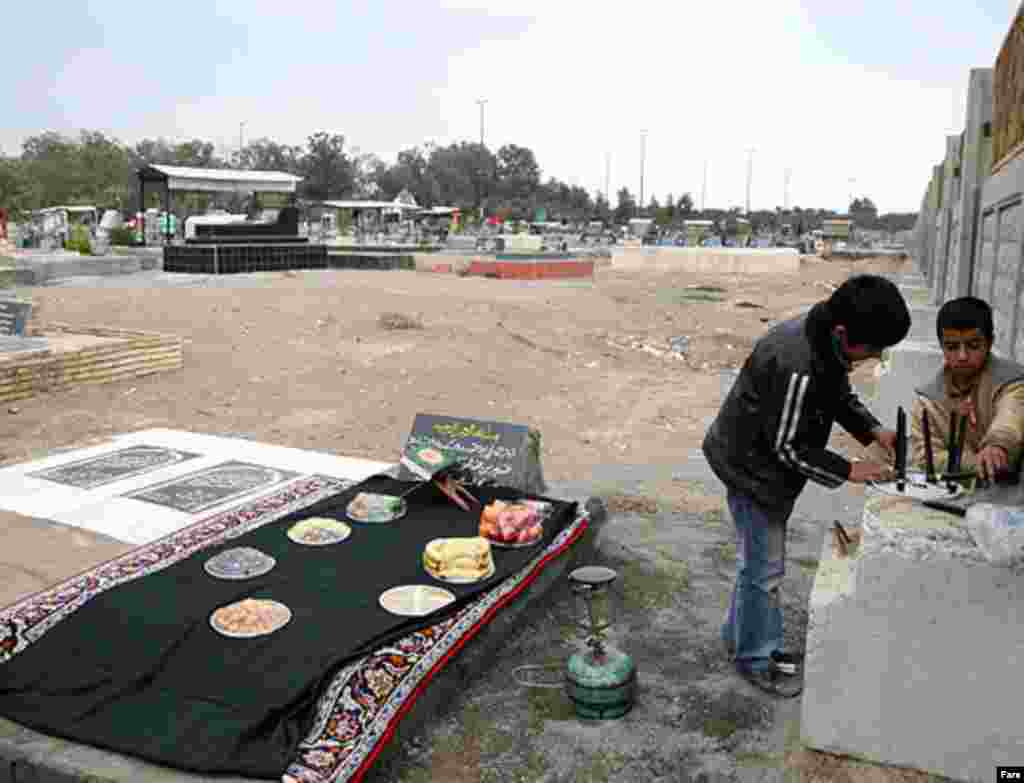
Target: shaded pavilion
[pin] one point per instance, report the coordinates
(171, 179)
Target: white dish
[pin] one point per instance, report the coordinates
(283, 618)
(319, 531)
(239, 563)
(510, 545)
(378, 514)
(457, 580)
(415, 600)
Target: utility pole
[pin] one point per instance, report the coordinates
(643, 152)
(481, 102)
(785, 190)
(750, 174)
(241, 144)
(607, 175)
(704, 187)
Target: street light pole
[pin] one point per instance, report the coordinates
(481, 102)
(607, 174)
(643, 152)
(241, 144)
(704, 187)
(750, 174)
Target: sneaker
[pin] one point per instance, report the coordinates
(772, 680)
(788, 663)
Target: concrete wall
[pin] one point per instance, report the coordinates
(725, 260)
(969, 238)
(948, 215)
(976, 163)
(998, 256)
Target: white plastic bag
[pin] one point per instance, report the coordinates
(998, 531)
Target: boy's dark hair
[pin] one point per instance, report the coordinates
(967, 312)
(872, 310)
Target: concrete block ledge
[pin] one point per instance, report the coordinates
(913, 647)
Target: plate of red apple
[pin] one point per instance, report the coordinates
(511, 525)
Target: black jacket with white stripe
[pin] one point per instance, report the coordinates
(769, 436)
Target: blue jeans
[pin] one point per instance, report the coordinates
(754, 622)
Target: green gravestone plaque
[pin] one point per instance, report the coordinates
(498, 453)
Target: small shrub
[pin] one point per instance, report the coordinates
(80, 241)
(122, 236)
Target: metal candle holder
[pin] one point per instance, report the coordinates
(901, 449)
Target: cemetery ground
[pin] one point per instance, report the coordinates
(341, 361)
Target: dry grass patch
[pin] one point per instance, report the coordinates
(619, 503)
(396, 321)
(809, 766)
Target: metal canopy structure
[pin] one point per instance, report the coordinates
(396, 205)
(197, 180)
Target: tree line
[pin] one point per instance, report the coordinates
(97, 169)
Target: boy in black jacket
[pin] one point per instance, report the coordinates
(770, 437)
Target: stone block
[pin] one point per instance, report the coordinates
(922, 324)
(722, 260)
(911, 646)
(905, 367)
(916, 295)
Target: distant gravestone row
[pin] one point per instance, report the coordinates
(13, 317)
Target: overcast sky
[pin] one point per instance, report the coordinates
(862, 90)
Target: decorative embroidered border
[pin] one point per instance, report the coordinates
(361, 708)
(27, 620)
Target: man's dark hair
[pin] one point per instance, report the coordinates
(872, 310)
(963, 314)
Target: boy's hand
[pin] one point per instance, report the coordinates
(990, 460)
(862, 472)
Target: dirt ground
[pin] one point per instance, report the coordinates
(342, 361)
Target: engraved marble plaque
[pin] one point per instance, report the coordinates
(213, 486)
(114, 466)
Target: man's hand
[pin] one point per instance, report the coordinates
(887, 440)
(990, 460)
(862, 472)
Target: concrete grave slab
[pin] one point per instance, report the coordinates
(115, 488)
(907, 366)
(916, 295)
(912, 643)
(13, 316)
(14, 344)
(922, 324)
